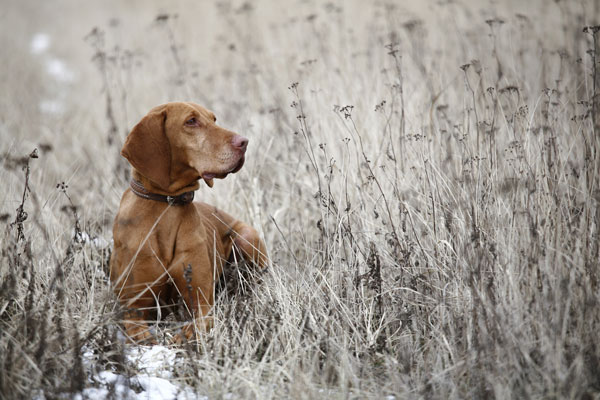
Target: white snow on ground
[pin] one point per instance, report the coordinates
(52, 106)
(57, 69)
(152, 360)
(155, 366)
(97, 241)
(39, 43)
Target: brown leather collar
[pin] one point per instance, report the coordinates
(138, 189)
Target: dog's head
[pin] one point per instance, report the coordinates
(179, 143)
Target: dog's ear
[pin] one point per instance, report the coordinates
(148, 150)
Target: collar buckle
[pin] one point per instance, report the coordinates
(138, 189)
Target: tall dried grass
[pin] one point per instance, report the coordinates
(428, 189)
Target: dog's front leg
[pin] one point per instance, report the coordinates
(194, 277)
(247, 240)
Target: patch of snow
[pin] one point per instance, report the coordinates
(120, 387)
(154, 381)
(158, 388)
(94, 393)
(39, 43)
(52, 106)
(59, 70)
(98, 241)
(153, 360)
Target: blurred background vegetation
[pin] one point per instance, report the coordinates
(426, 178)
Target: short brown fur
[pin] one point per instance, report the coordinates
(164, 252)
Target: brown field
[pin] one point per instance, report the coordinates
(426, 178)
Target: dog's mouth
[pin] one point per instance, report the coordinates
(209, 176)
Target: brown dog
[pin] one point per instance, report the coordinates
(165, 246)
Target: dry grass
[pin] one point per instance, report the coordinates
(430, 199)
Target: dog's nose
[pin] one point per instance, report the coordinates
(239, 142)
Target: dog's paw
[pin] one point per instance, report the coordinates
(192, 330)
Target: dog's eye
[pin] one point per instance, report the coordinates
(191, 121)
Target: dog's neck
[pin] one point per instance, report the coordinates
(175, 188)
